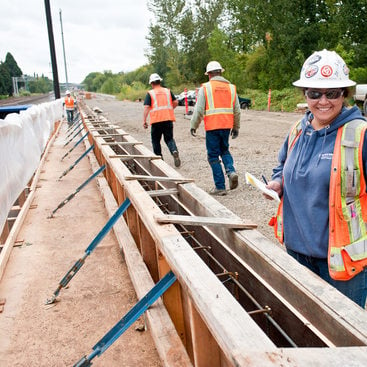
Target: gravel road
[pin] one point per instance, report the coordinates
(254, 151)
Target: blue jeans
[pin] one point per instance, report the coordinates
(355, 288)
(164, 128)
(70, 116)
(217, 146)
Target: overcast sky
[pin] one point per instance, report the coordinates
(98, 36)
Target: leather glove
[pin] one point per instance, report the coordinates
(193, 132)
(234, 133)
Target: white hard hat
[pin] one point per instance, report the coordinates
(324, 69)
(154, 77)
(67, 92)
(213, 65)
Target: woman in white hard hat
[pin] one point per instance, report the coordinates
(321, 180)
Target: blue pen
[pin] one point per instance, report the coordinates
(266, 182)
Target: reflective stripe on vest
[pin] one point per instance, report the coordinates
(348, 205)
(347, 202)
(161, 107)
(220, 99)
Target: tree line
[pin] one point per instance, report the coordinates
(9, 69)
(261, 44)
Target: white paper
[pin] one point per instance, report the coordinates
(252, 180)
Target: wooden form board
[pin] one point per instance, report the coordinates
(122, 143)
(158, 178)
(11, 238)
(169, 346)
(334, 314)
(205, 221)
(134, 156)
(239, 339)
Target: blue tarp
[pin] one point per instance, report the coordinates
(5, 110)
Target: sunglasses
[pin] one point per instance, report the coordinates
(329, 94)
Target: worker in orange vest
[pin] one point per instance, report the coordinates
(159, 104)
(69, 104)
(321, 180)
(218, 105)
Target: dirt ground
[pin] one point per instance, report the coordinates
(34, 334)
(255, 151)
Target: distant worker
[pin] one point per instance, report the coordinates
(321, 180)
(69, 107)
(159, 104)
(218, 105)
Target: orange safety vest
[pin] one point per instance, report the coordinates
(162, 106)
(220, 100)
(347, 253)
(69, 103)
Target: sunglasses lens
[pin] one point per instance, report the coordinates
(314, 94)
(333, 94)
(330, 94)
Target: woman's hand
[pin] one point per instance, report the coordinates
(276, 186)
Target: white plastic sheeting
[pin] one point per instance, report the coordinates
(23, 138)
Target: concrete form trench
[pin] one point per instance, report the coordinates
(216, 335)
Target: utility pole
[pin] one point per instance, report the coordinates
(52, 50)
(63, 48)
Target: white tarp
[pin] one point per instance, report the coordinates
(23, 138)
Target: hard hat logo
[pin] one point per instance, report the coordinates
(314, 59)
(345, 70)
(324, 69)
(311, 71)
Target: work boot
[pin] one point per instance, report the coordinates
(233, 180)
(176, 158)
(218, 192)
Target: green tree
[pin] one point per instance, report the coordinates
(40, 85)
(88, 82)
(13, 67)
(8, 69)
(6, 85)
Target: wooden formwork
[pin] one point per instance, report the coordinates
(20, 207)
(211, 323)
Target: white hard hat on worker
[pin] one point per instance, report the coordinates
(154, 78)
(213, 66)
(324, 69)
(67, 92)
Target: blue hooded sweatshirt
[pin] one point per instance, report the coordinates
(306, 174)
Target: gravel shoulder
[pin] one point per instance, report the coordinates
(254, 151)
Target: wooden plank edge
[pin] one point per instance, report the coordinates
(9, 243)
(169, 345)
(158, 178)
(205, 221)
